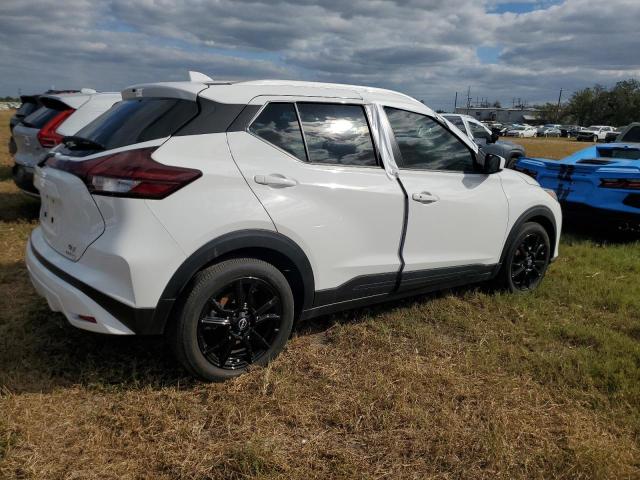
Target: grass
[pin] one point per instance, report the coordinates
(463, 384)
(555, 148)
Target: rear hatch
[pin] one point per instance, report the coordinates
(110, 156)
(37, 133)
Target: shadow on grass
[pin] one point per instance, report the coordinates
(40, 351)
(18, 206)
(601, 235)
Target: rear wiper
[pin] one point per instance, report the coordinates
(77, 143)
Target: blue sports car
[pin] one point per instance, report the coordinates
(601, 181)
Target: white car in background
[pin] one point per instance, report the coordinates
(522, 131)
(59, 116)
(219, 213)
(549, 130)
(594, 133)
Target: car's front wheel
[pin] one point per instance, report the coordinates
(238, 313)
(526, 259)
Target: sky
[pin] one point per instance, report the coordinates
(429, 49)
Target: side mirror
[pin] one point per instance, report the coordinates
(490, 163)
(495, 136)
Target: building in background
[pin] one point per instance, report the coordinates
(502, 115)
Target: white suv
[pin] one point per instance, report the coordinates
(220, 213)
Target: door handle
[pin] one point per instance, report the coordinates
(275, 180)
(424, 197)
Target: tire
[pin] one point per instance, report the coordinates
(225, 324)
(512, 161)
(517, 257)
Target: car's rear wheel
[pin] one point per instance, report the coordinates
(526, 259)
(238, 313)
(512, 161)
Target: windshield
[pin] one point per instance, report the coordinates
(136, 121)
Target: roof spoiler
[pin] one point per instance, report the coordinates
(199, 77)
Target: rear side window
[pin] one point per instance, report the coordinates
(40, 117)
(278, 124)
(426, 145)
(139, 120)
(337, 134)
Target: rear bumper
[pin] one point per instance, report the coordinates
(23, 178)
(76, 299)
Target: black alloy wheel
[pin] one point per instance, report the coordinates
(240, 323)
(529, 259)
(237, 313)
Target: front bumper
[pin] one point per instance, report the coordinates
(23, 178)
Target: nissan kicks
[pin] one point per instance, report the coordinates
(219, 214)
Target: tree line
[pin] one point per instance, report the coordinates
(597, 105)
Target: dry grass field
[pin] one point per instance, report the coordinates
(462, 384)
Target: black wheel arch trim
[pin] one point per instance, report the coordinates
(528, 215)
(226, 245)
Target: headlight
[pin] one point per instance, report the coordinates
(551, 193)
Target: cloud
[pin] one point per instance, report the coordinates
(426, 48)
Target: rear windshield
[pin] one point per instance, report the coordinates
(632, 135)
(26, 109)
(40, 117)
(138, 120)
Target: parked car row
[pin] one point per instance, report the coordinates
(594, 133)
(220, 213)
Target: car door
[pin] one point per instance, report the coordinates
(457, 218)
(314, 166)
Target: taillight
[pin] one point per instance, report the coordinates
(132, 174)
(623, 183)
(47, 135)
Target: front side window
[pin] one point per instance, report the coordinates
(278, 125)
(337, 134)
(426, 145)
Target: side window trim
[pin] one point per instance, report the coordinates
(304, 136)
(376, 151)
(398, 153)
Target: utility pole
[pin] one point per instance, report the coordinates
(468, 99)
(558, 109)
(455, 103)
